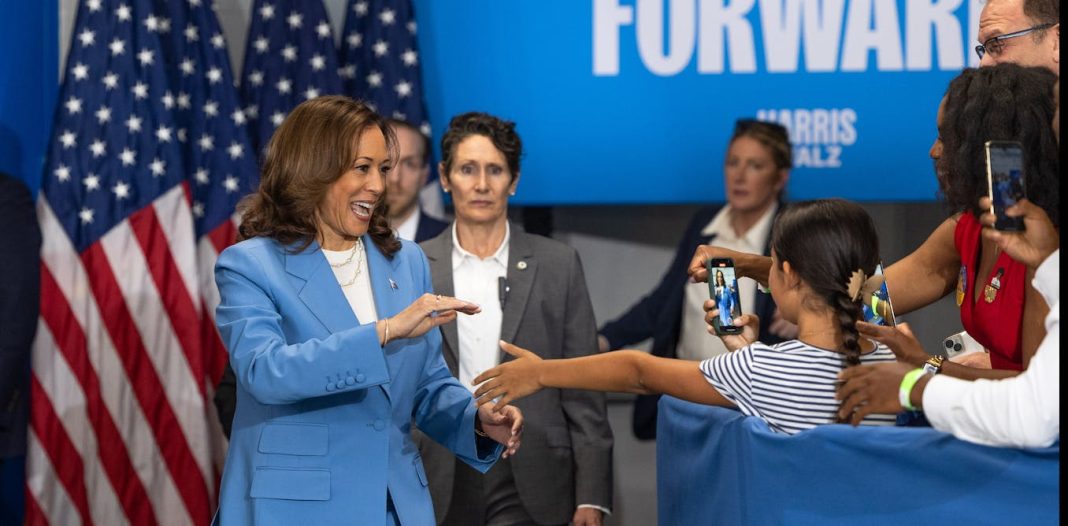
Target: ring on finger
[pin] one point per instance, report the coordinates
(439, 298)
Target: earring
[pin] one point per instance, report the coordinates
(512, 192)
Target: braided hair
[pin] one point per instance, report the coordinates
(825, 241)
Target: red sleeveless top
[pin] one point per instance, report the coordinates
(995, 324)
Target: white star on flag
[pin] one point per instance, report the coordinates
(103, 114)
(192, 34)
(111, 81)
(403, 88)
(267, 11)
(163, 133)
(354, 40)
(188, 67)
(230, 183)
(214, 75)
(86, 215)
(117, 46)
(261, 44)
(277, 118)
(92, 182)
(68, 139)
(294, 20)
(87, 38)
(128, 157)
(140, 90)
(133, 124)
(289, 53)
(374, 79)
(317, 62)
(158, 167)
(235, 150)
(62, 173)
(381, 48)
(207, 142)
(323, 30)
(74, 105)
(311, 93)
(97, 148)
(387, 16)
(256, 78)
(283, 85)
(211, 108)
(201, 176)
(409, 57)
(121, 189)
(81, 71)
(360, 8)
(145, 56)
(123, 12)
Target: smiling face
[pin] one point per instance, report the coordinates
(753, 180)
(1001, 17)
(479, 181)
(344, 213)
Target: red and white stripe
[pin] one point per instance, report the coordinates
(123, 430)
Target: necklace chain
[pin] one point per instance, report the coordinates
(351, 254)
(356, 249)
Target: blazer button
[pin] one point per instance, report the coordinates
(340, 384)
(379, 425)
(350, 380)
(360, 378)
(329, 387)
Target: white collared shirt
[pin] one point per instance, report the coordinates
(407, 229)
(1022, 411)
(359, 293)
(695, 343)
(477, 280)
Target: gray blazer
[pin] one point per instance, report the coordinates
(566, 456)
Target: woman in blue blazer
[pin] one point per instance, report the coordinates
(327, 318)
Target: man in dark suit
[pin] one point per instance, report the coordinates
(404, 183)
(20, 267)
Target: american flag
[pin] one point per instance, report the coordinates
(121, 429)
(290, 57)
(380, 65)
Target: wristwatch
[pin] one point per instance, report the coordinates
(933, 364)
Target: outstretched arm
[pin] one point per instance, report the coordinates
(616, 371)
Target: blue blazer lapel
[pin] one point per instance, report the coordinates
(388, 300)
(320, 291)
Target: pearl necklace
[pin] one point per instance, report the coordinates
(357, 248)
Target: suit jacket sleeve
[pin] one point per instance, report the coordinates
(591, 435)
(640, 321)
(20, 294)
(445, 410)
(270, 368)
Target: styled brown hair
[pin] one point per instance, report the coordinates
(772, 135)
(499, 131)
(308, 152)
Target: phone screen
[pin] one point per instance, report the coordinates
(877, 308)
(1005, 178)
(723, 288)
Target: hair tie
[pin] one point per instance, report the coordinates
(861, 285)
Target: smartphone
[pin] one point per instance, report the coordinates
(960, 343)
(1005, 181)
(723, 288)
(878, 309)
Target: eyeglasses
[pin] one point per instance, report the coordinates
(994, 45)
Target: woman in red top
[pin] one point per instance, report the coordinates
(999, 307)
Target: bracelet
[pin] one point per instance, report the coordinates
(478, 428)
(385, 337)
(905, 391)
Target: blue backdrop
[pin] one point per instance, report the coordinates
(633, 101)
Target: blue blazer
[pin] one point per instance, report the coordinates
(324, 413)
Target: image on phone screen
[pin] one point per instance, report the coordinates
(723, 287)
(1005, 178)
(877, 308)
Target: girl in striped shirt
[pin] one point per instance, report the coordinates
(822, 254)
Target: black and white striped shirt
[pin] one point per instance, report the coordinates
(790, 385)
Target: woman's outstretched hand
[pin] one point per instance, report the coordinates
(504, 426)
(511, 380)
(425, 313)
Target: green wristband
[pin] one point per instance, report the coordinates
(904, 393)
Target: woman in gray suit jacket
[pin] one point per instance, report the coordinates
(532, 292)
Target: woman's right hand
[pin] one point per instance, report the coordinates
(1030, 247)
(425, 313)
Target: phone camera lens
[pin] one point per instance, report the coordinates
(948, 344)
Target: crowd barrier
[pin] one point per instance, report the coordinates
(717, 466)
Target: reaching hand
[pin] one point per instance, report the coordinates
(510, 380)
(750, 324)
(867, 389)
(899, 339)
(504, 426)
(1030, 247)
(745, 265)
(425, 313)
